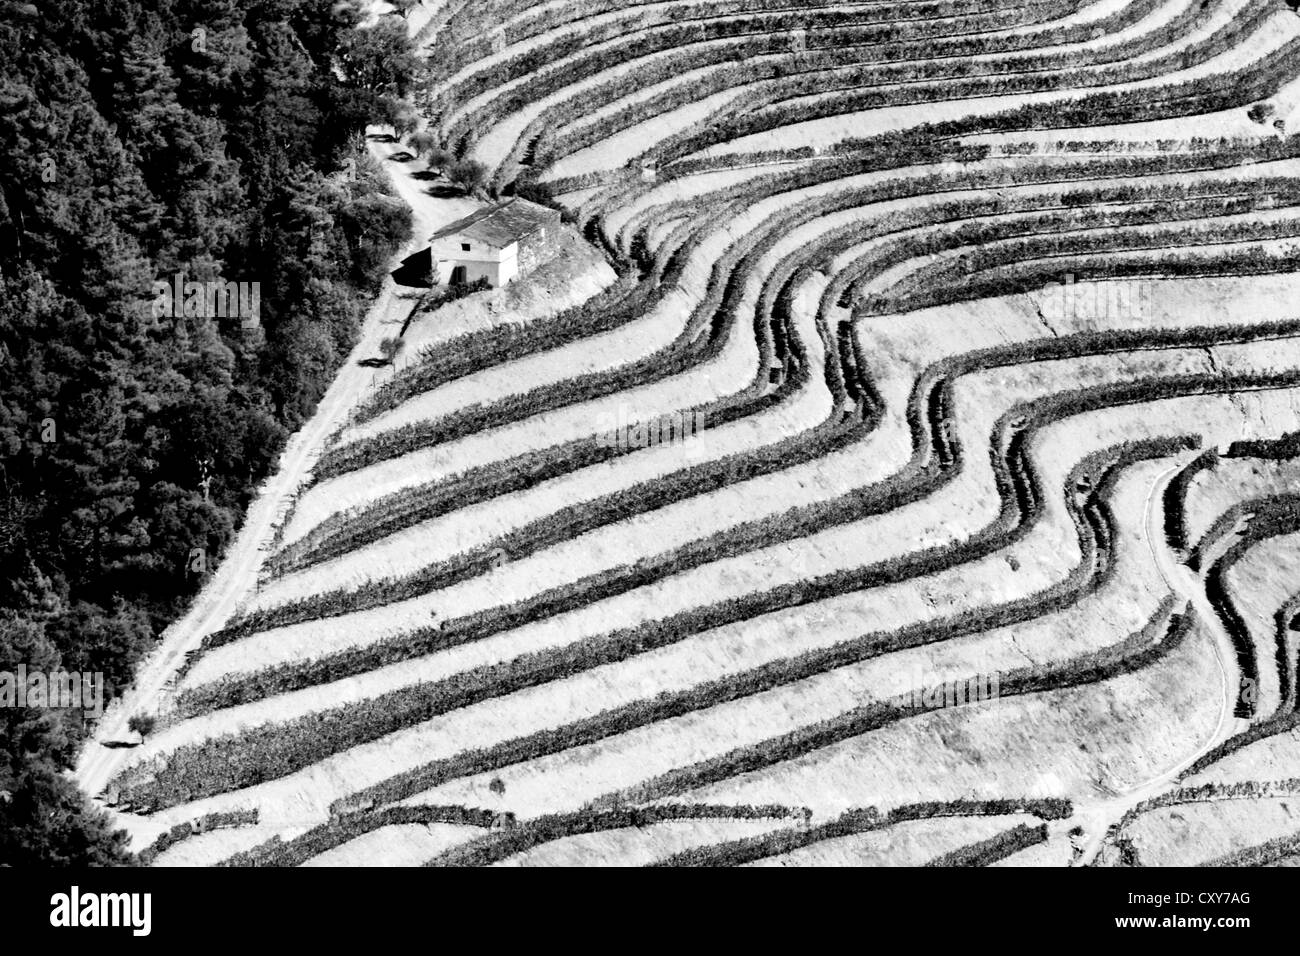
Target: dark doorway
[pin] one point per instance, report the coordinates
(458, 275)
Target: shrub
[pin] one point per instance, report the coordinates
(440, 158)
(995, 848)
(391, 347)
(1261, 112)
(469, 174)
(423, 142)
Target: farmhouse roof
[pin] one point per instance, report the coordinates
(501, 224)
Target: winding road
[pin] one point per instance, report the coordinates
(1098, 815)
(235, 579)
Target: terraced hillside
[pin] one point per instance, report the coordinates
(981, 546)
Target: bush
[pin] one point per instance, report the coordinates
(389, 348)
(469, 174)
(855, 821)
(1261, 112)
(995, 848)
(440, 158)
(423, 142)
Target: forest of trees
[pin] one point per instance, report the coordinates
(220, 140)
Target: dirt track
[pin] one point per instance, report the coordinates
(236, 577)
(1183, 582)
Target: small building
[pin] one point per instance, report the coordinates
(498, 243)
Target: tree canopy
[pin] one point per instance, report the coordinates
(219, 141)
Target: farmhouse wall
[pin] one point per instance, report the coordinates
(537, 248)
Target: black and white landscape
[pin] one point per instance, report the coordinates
(690, 432)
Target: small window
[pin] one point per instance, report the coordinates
(464, 247)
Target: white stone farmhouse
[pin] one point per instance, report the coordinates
(498, 243)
